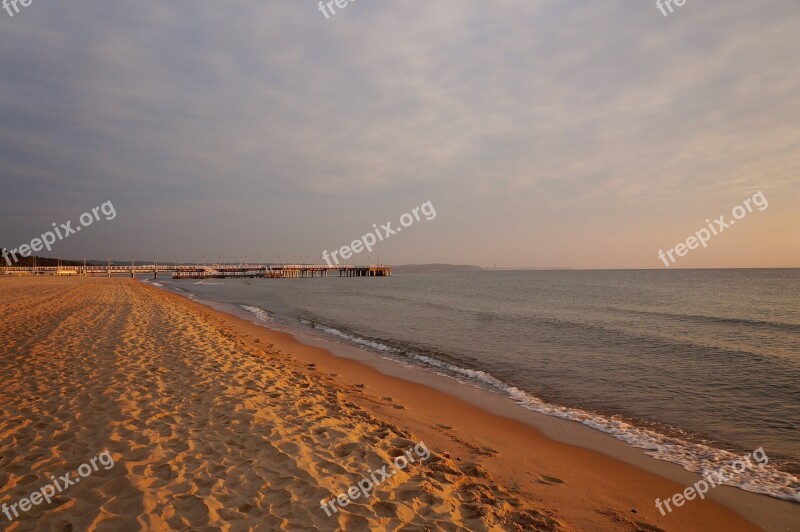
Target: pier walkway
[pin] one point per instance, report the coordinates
(213, 271)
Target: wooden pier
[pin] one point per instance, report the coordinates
(214, 271)
(282, 271)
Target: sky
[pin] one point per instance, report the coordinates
(545, 133)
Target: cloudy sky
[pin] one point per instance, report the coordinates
(546, 133)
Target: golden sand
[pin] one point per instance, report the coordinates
(217, 424)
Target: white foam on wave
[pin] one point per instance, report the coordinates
(694, 457)
(259, 313)
(209, 284)
(353, 339)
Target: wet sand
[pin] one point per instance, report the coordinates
(215, 423)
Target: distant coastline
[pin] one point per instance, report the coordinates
(435, 268)
(460, 268)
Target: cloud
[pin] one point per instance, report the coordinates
(537, 120)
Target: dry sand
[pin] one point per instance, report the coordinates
(217, 424)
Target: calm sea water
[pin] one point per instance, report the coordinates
(696, 366)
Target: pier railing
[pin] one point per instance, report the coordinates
(209, 271)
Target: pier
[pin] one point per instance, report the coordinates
(214, 271)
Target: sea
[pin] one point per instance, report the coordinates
(696, 367)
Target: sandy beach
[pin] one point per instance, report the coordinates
(215, 423)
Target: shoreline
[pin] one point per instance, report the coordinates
(637, 405)
(768, 512)
(355, 365)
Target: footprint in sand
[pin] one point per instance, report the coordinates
(475, 470)
(543, 479)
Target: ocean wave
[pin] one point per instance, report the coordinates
(694, 457)
(259, 313)
(350, 338)
(713, 320)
